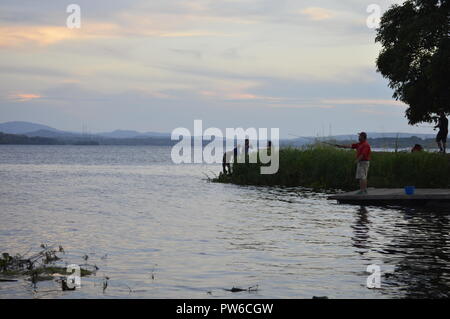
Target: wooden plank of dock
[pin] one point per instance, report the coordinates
(395, 196)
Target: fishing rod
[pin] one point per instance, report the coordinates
(331, 144)
(311, 138)
(302, 137)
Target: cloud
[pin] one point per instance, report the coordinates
(24, 35)
(275, 62)
(191, 34)
(317, 14)
(303, 106)
(192, 53)
(16, 36)
(366, 102)
(31, 70)
(24, 97)
(230, 95)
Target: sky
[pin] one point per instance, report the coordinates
(305, 67)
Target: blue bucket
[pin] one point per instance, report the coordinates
(409, 190)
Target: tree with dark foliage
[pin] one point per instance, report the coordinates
(416, 56)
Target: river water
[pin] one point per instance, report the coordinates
(160, 230)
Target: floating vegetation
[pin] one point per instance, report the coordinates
(39, 267)
(153, 272)
(65, 287)
(131, 290)
(249, 289)
(105, 283)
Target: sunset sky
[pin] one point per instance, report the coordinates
(306, 67)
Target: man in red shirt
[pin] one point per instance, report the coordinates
(362, 159)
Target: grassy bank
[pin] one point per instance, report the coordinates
(330, 168)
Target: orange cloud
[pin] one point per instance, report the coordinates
(243, 96)
(190, 34)
(25, 97)
(19, 36)
(228, 95)
(317, 14)
(47, 35)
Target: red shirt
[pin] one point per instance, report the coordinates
(363, 149)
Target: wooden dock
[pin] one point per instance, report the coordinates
(396, 197)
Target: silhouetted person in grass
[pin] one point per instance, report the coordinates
(441, 137)
(363, 152)
(417, 148)
(228, 157)
(246, 147)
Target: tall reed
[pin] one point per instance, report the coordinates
(323, 167)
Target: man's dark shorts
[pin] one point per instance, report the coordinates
(442, 136)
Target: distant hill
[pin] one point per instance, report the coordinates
(78, 139)
(39, 130)
(156, 134)
(131, 134)
(51, 134)
(120, 134)
(24, 127)
(25, 140)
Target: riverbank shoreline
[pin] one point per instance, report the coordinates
(327, 168)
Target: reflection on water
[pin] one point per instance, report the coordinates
(159, 230)
(361, 230)
(417, 247)
(420, 256)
